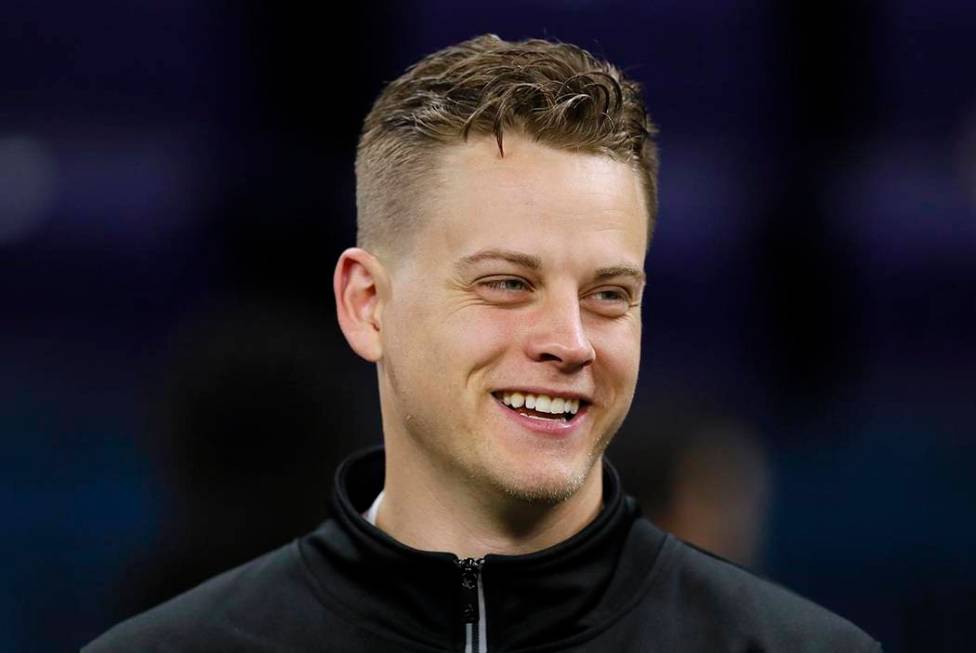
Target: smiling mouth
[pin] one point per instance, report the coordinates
(542, 407)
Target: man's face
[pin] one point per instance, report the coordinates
(525, 280)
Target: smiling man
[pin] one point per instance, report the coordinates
(506, 195)
(507, 343)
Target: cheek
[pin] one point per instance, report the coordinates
(618, 353)
(408, 342)
(455, 343)
(476, 336)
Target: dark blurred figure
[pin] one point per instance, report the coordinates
(698, 475)
(259, 407)
(719, 493)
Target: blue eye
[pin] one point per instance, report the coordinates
(610, 302)
(612, 295)
(507, 285)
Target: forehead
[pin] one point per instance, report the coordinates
(536, 198)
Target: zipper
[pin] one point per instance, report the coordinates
(473, 605)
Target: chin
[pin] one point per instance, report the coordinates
(550, 485)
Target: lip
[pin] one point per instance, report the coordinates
(556, 428)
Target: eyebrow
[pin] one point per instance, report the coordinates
(518, 258)
(621, 271)
(535, 263)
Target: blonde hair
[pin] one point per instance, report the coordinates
(555, 93)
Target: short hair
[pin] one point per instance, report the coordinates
(555, 93)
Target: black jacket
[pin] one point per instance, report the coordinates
(620, 584)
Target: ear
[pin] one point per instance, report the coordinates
(358, 280)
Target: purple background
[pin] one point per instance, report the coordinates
(176, 184)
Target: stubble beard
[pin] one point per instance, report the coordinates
(549, 492)
(479, 465)
(487, 468)
(473, 463)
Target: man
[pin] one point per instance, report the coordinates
(506, 194)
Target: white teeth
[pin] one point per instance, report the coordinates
(541, 403)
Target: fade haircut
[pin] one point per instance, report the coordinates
(554, 93)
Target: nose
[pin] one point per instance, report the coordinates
(559, 336)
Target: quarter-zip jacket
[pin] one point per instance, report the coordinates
(620, 584)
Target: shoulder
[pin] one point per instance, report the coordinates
(243, 608)
(702, 592)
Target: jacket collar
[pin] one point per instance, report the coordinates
(529, 599)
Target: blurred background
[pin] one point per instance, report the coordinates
(176, 183)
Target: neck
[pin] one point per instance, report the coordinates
(427, 509)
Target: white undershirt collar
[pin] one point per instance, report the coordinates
(370, 515)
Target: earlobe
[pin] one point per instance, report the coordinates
(357, 280)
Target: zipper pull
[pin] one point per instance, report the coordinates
(470, 571)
